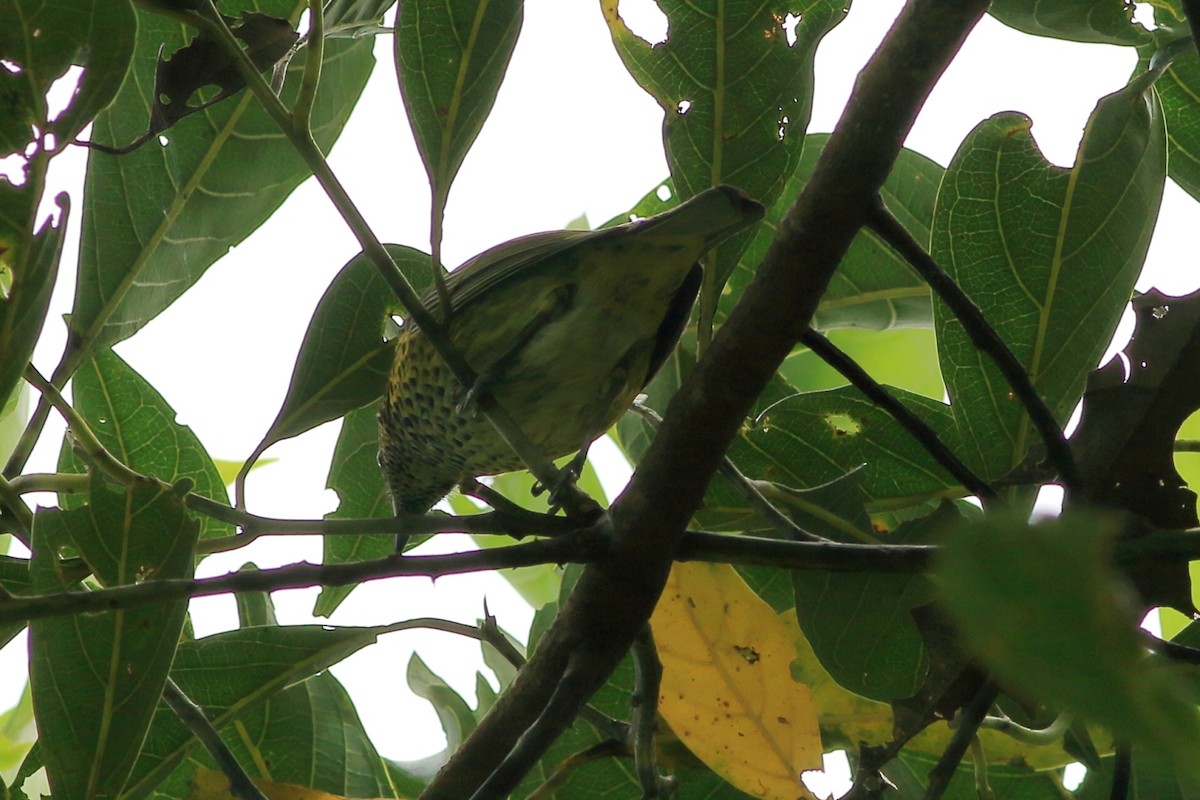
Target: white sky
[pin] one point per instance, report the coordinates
(570, 133)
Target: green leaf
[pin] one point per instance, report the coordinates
(1177, 90)
(137, 425)
(1103, 21)
(96, 679)
(155, 219)
(999, 578)
(450, 60)
(736, 91)
(43, 40)
(231, 674)
(354, 474)
(309, 734)
(1151, 778)
(1049, 255)
(873, 287)
(32, 262)
(860, 624)
(909, 775)
(813, 438)
(344, 359)
(458, 719)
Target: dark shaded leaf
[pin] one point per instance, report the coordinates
(31, 261)
(1126, 435)
(344, 359)
(43, 40)
(97, 679)
(999, 577)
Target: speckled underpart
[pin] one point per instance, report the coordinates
(563, 328)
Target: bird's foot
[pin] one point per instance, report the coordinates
(566, 495)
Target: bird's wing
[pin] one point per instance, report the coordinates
(676, 319)
(495, 266)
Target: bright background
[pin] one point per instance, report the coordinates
(571, 133)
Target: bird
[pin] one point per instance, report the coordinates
(563, 329)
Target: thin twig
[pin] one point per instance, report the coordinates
(1122, 778)
(193, 718)
(968, 722)
(647, 677)
(10, 497)
(567, 550)
(983, 336)
(918, 428)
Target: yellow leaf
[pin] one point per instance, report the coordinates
(727, 689)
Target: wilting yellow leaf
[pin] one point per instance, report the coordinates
(727, 689)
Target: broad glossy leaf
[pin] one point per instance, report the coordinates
(813, 438)
(1049, 255)
(309, 735)
(873, 287)
(450, 60)
(155, 219)
(344, 359)
(97, 678)
(233, 673)
(1104, 21)
(735, 86)
(137, 425)
(42, 40)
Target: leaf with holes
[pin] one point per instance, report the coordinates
(735, 85)
(1049, 255)
(156, 218)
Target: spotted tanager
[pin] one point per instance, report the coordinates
(563, 329)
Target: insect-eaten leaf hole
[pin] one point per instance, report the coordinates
(843, 425)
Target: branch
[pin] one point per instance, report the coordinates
(985, 339)
(615, 596)
(918, 428)
(192, 717)
(572, 550)
(819, 556)
(968, 722)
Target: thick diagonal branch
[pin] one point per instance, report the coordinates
(615, 596)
